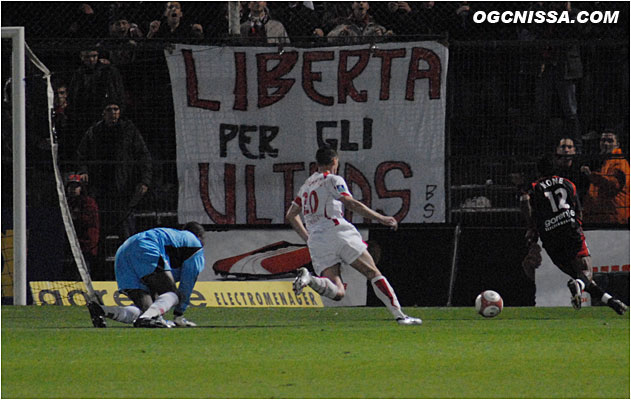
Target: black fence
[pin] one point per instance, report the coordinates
(513, 91)
(507, 108)
(496, 125)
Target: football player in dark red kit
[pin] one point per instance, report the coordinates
(553, 214)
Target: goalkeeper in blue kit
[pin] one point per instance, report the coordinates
(147, 266)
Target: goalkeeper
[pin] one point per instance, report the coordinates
(147, 266)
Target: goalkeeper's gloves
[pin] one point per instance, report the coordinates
(182, 322)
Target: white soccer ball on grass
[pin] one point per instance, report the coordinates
(489, 303)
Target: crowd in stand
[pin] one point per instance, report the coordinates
(107, 141)
(296, 21)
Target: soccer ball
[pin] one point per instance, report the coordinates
(489, 304)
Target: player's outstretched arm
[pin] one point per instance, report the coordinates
(526, 211)
(293, 218)
(361, 209)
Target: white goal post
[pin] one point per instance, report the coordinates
(20, 51)
(18, 90)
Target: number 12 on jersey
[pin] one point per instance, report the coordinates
(561, 195)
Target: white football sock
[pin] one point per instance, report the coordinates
(386, 294)
(581, 284)
(324, 287)
(163, 303)
(126, 315)
(605, 298)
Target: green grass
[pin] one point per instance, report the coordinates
(53, 352)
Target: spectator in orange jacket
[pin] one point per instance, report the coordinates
(607, 199)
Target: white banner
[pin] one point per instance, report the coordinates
(609, 251)
(250, 119)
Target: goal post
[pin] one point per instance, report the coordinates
(18, 94)
(20, 53)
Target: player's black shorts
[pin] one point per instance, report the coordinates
(564, 250)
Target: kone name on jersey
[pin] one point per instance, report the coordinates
(557, 180)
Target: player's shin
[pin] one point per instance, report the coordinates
(595, 291)
(126, 315)
(590, 287)
(163, 303)
(325, 287)
(386, 294)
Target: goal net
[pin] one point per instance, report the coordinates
(51, 234)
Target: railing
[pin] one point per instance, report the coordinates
(494, 129)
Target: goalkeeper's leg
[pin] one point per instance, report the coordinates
(126, 315)
(162, 283)
(129, 314)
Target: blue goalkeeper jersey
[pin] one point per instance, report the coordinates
(182, 252)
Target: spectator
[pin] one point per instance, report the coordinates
(61, 99)
(558, 67)
(359, 24)
(122, 48)
(116, 163)
(85, 23)
(217, 29)
(173, 26)
(260, 27)
(566, 165)
(85, 217)
(433, 17)
(462, 25)
(409, 19)
(333, 14)
(93, 83)
(399, 16)
(301, 22)
(65, 135)
(121, 28)
(607, 200)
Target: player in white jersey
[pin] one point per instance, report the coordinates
(332, 240)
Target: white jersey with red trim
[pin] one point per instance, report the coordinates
(319, 199)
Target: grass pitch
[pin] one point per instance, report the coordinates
(54, 352)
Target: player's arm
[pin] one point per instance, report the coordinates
(525, 207)
(361, 209)
(293, 218)
(532, 260)
(578, 207)
(526, 212)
